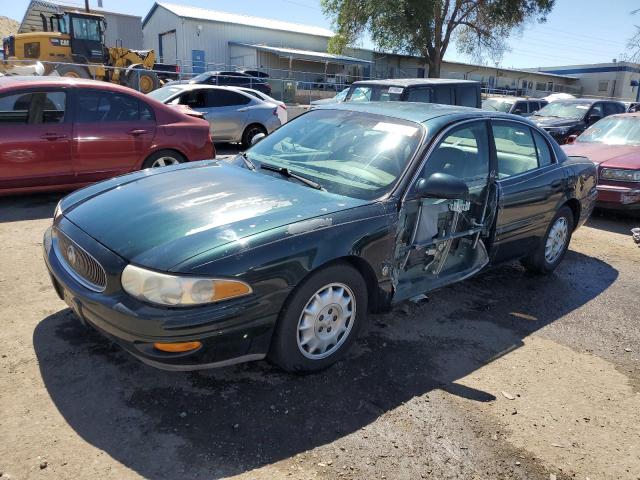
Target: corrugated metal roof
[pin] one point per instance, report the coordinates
(225, 17)
(304, 54)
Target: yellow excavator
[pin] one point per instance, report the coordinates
(71, 44)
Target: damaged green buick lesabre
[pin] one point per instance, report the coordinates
(283, 251)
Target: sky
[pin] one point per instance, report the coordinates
(576, 31)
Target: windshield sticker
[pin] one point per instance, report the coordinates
(405, 130)
(582, 107)
(397, 90)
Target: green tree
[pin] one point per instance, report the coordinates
(428, 27)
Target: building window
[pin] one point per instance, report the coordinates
(603, 86)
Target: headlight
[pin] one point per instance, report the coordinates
(620, 175)
(57, 212)
(179, 291)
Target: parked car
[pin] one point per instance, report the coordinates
(614, 145)
(563, 118)
(233, 115)
(229, 79)
(282, 107)
(338, 98)
(434, 90)
(59, 133)
(524, 107)
(256, 73)
(281, 252)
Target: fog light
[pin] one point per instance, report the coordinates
(177, 347)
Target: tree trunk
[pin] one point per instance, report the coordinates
(434, 67)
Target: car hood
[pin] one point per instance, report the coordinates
(553, 121)
(161, 219)
(617, 156)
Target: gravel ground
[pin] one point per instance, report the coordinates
(506, 375)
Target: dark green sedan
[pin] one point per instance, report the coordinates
(282, 252)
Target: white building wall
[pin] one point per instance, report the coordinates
(162, 21)
(123, 27)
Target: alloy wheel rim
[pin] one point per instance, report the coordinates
(326, 321)
(556, 240)
(164, 162)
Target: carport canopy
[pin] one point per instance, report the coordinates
(308, 55)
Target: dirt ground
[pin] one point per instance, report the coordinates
(506, 375)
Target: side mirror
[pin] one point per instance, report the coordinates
(256, 138)
(571, 139)
(442, 185)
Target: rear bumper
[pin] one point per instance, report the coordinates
(230, 333)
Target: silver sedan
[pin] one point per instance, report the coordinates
(233, 115)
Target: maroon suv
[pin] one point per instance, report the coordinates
(61, 133)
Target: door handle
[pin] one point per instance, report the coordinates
(137, 132)
(53, 136)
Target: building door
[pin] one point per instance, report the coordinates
(168, 51)
(197, 61)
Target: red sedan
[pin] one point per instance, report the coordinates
(613, 144)
(62, 133)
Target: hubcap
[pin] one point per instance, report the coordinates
(326, 321)
(164, 161)
(556, 240)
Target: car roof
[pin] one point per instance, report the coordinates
(33, 81)
(516, 99)
(409, 82)
(586, 100)
(413, 111)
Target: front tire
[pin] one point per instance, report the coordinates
(554, 245)
(163, 158)
(320, 321)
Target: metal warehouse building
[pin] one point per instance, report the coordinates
(199, 39)
(120, 27)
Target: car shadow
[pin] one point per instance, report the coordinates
(28, 207)
(218, 423)
(613, 222)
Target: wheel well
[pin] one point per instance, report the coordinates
(368, 274)
(574, 205)
(163, 150)
(254, 124)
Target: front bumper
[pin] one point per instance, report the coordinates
(231, 332)
(614, 197)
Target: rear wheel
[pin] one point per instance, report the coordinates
(554, 245)
(250, 132)
(72, 71)
(320, 321)
(163, 158)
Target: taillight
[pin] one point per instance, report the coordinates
(284, 107)
(177, 68)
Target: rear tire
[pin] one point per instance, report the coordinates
(71, 71)
(250, 132)
(554, 244)
(320, 320)
(163, 158)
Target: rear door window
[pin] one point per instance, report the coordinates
(444, 95)
(225, 98)
(423, 95)
(467, 96)
(102, 106)
(515, 148)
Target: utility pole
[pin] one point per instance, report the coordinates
(86, 6)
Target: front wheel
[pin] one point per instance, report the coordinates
(320, 321)
(554, 245)
(250, 132)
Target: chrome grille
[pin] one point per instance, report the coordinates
(80, 265)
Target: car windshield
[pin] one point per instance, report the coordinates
(574, 110)
(341, 96)
(497, 105)
(613, 131)
(353, 154)
(162, 94)
(374, 93)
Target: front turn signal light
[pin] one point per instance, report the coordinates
(177, 347)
